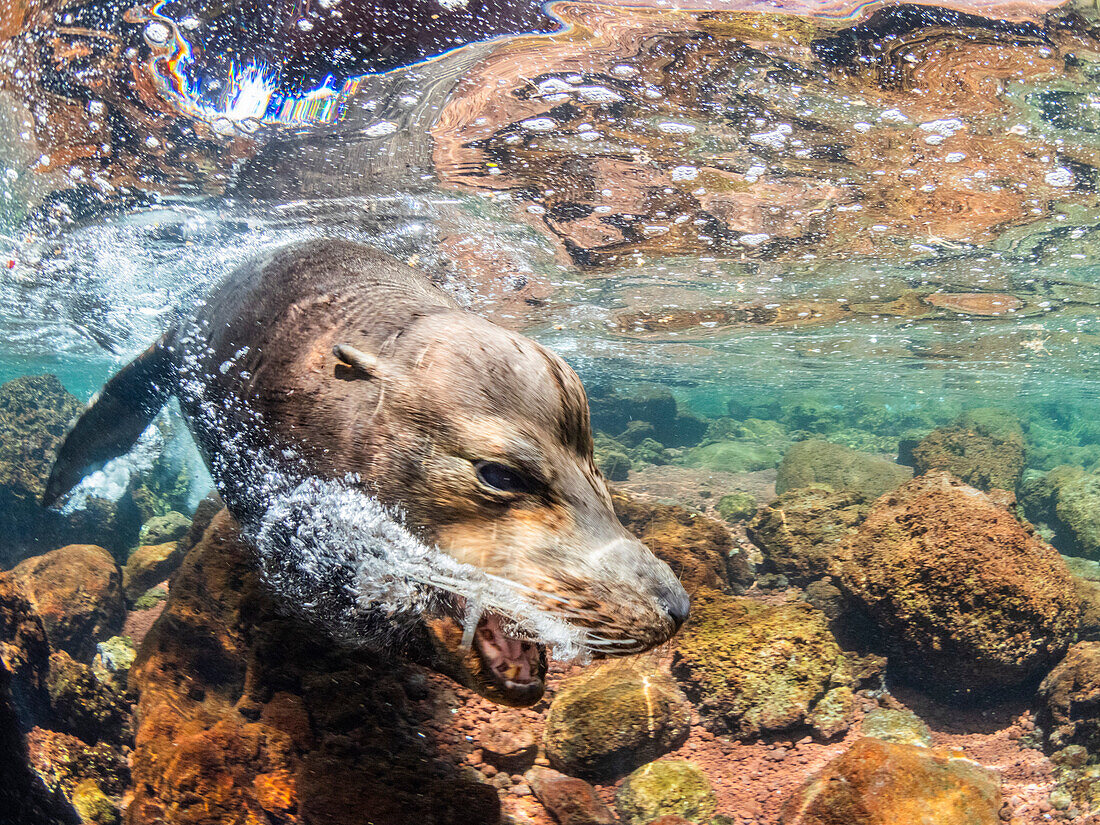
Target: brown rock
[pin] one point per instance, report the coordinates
(149, 565)
(984, 448)
(570, 800)
(77, 592)
(512, 748)
(801, 530)
(884, 783)
(699, 549)
(1069, 699)
(967, 599)
(264, 719)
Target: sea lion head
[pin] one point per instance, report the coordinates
(482, 437)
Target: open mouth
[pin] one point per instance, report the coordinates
(517, 666)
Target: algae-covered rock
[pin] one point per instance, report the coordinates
(884, 783)
(77, 591)
(35, 413)
(172, 526)
(606, 723)
(699, 549)
(742, 456)
(83, 705)
(1068, 699)
(148, 565)
(800, 531)
(833, 712)
(896, 725)
(751, 668)
(1067, 501)
(113, 659)
(24, 655)
(817, 463)
(984, 448)
(615, 465)
(674, 786)
(93, 806)
(736, 506)
(968, 601)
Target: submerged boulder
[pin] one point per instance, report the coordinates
(77, 590)
(699, 549)
(606, 723)
(1067, 500)
(800, 532)
(672, 787)
(984, 448)
(35, 413)
(752, 668)
(570, 800)
(263, 718)
(1069, 700)
(967, 600)
(149, 565)
(817, 463)
(885, 783)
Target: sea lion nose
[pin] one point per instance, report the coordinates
(675, 602)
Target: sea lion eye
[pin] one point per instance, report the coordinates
(504, 478)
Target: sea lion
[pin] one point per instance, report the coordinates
(325, 370)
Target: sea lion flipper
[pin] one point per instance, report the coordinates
(114, 419)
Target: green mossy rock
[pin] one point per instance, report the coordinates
(733, 457)
(670, 787)
(35, 413)
(615, 466)
(736, 506)
(984, 448)
(149, 565)
(606, 723)
(752, 668)
(817, 463)
(113, 660)
(894, 725)
(93, 806)
(172, 526)
(82, 705)
(799, 532)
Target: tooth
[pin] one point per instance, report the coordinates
(469, 626)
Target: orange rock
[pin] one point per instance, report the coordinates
(77, 590)
(885, 783)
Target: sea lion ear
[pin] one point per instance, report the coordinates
(368, 365)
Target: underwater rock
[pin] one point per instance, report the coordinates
(885, 783)
(511, 748)
(62, 762)
(24, 652)
(893, 725)
(736, 506)
(800, 532)
(172, 526)
(1061, 504)
(967, 600)
(817, 463)
(84, 706)
(615, 466)
(571, 801)
(832, 715)
(606, 723)
(35, 414)
(984, 448)
(826, 597)
(94, 806)
(148, 565)
(266, 719)
(741, 456)
(162, 488)
(673, 786)
(77, 591)
(113, 660)
(752, 668)
(1068, 701)
(699, 549)
(619, 416)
